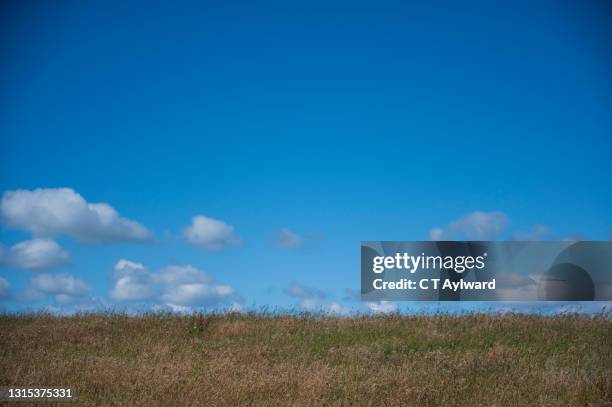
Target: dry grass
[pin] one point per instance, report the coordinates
(307, 360)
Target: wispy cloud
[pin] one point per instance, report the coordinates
(288, 239)
(473, 226)
(537, 232)
(297, 290)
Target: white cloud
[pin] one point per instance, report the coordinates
(382, 307)
(36, 254)
(177, 285)
(196, 293)
(374, 307)
(436, 234)
(473, 226)
(311, 304)
(210, 234)
(540, 232)
(186, 310)
(64, 288)
(179, 309)
(314, 300)
(4, 289)
(174, 275)
(297, 290)
(235, 307)
(339, 310)
(537, 232)
(132, 282)
(514, 286)
(289, 240)
(47, 212)
(315, 305)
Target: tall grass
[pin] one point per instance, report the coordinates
(274, 359)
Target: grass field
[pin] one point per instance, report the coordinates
(240, 359)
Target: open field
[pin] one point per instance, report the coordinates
(270, 360)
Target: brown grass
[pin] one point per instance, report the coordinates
(289, 360)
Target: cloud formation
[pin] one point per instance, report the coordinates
(314, 305)
(289, 240)
(518, 286)
(172, 285)
(473, 226)
(35, 254)
(64, 288)
(173, 308)
(373, 307)
(297, 290)
(314, 300)
(210, 234)
(382, 307)
(48, 212)
(541, 232)
(132, 282)
(537, 232)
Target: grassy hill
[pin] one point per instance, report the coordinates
(306, 360)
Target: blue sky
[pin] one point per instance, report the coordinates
(306, 128)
